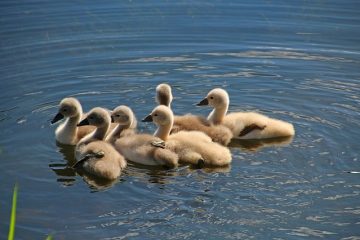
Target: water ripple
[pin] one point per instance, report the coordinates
(280, 55)
(307, 232)
(161, 59)
(336, 85)
(247, 74)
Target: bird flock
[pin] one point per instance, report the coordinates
(105, 139)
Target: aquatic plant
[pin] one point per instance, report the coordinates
(49, 237)
(13, 214)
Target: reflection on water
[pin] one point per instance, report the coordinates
(66, 174)
(154, 174)
(256, 145)
(96, 183)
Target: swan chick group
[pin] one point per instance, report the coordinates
(189, 122)
(144, 149)
(105, 140)
(192, 147)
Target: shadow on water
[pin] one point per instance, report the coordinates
(66, 174)
(256, 145)
(155, 174)
(162, 176)
(213, 169)
(96, 183)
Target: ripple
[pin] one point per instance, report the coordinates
(161, 59)
(125, 236)
(42, 107)
(247, 74)
(279, 54)
(340, 196)
(313, 119)
(347, 106)
(194, 68)
(317, 218)
(349, 210)
(351, 238)
(6, 113)
(336, 85)
(33, 93)
(307, 232)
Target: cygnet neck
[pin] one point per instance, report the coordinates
(100, 132)
(118, 129)
(75, 119)
(164, 101)
(70, 126)
(163, 131)
(164, 98)
(218, 113)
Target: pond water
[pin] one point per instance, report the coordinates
(294, 61)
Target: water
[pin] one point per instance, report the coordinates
(295, 61)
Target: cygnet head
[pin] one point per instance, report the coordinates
(98, 117)
(216, 98)
(122, 115)
(161, 116)
(69, 107)
(164, 94)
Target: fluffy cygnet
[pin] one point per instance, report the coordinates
(68, 132)
(193, 147)
(147, 150)
(164, 94)
(189, 122)
(100, 118)
(142, 148)
(101, 160)
(244, 125)
(126, 122)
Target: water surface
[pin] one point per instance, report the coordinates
(294, 61)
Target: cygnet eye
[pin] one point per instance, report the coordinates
(99, 154)
(211, 97)
(155, 115)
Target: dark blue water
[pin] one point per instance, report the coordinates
(297, 61)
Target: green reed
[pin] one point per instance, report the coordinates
(49, 237)
(13, 214)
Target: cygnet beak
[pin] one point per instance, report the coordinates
(147, 119)
(83, 122)
(203, 102)
(57, 118)
(80, 163)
